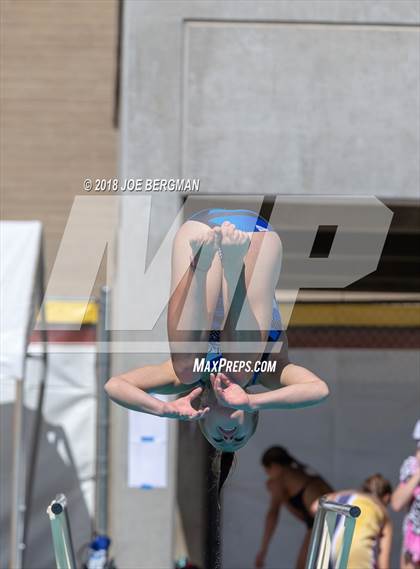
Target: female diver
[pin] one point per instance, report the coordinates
(293, 486)
(225, 267)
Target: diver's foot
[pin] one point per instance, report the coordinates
(234, 245)
(203, 249)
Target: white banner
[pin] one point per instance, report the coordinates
(147, 451)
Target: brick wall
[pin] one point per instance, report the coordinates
(57, 72)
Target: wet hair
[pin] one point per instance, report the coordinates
(223, 460)
(222, 465)
(377, 485)
(281, 456)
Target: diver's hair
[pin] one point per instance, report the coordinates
(280, 455)
(222, 460)
(377, 485)
(221, 466)
(226, 461)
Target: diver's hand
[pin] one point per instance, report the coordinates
(182, 409)
(229, 393)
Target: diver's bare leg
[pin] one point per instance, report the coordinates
(250, 297)
(194, 294)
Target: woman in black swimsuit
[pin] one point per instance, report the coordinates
(291, 485)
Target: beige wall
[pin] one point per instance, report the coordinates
(58, 60)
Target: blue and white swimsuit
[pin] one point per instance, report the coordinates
(249, 221)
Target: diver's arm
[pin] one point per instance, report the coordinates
(157, 378)
(127, 395)
(131, 390)
(131, 397)
(271, 521)
(302, 388)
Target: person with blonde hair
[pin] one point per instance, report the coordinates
(372, 539)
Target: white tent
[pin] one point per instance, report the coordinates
(21, 291)
(47, 416)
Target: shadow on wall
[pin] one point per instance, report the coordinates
(55, 473)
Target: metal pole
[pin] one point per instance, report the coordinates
(347, 539)
(60, 528)
(36, 431)
(318, 539)
(19, 517)
(327, 536)
(102, 432)
(324, 550)
(18, 484)
(340, 509)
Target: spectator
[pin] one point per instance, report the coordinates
(407, 495)
(291, 485)
(372, 540)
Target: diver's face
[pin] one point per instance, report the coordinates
(228, 429)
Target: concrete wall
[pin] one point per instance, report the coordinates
(275, 97)
(300, 107)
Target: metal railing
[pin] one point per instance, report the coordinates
(102, 430)
(319, 555)
(60, 528)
